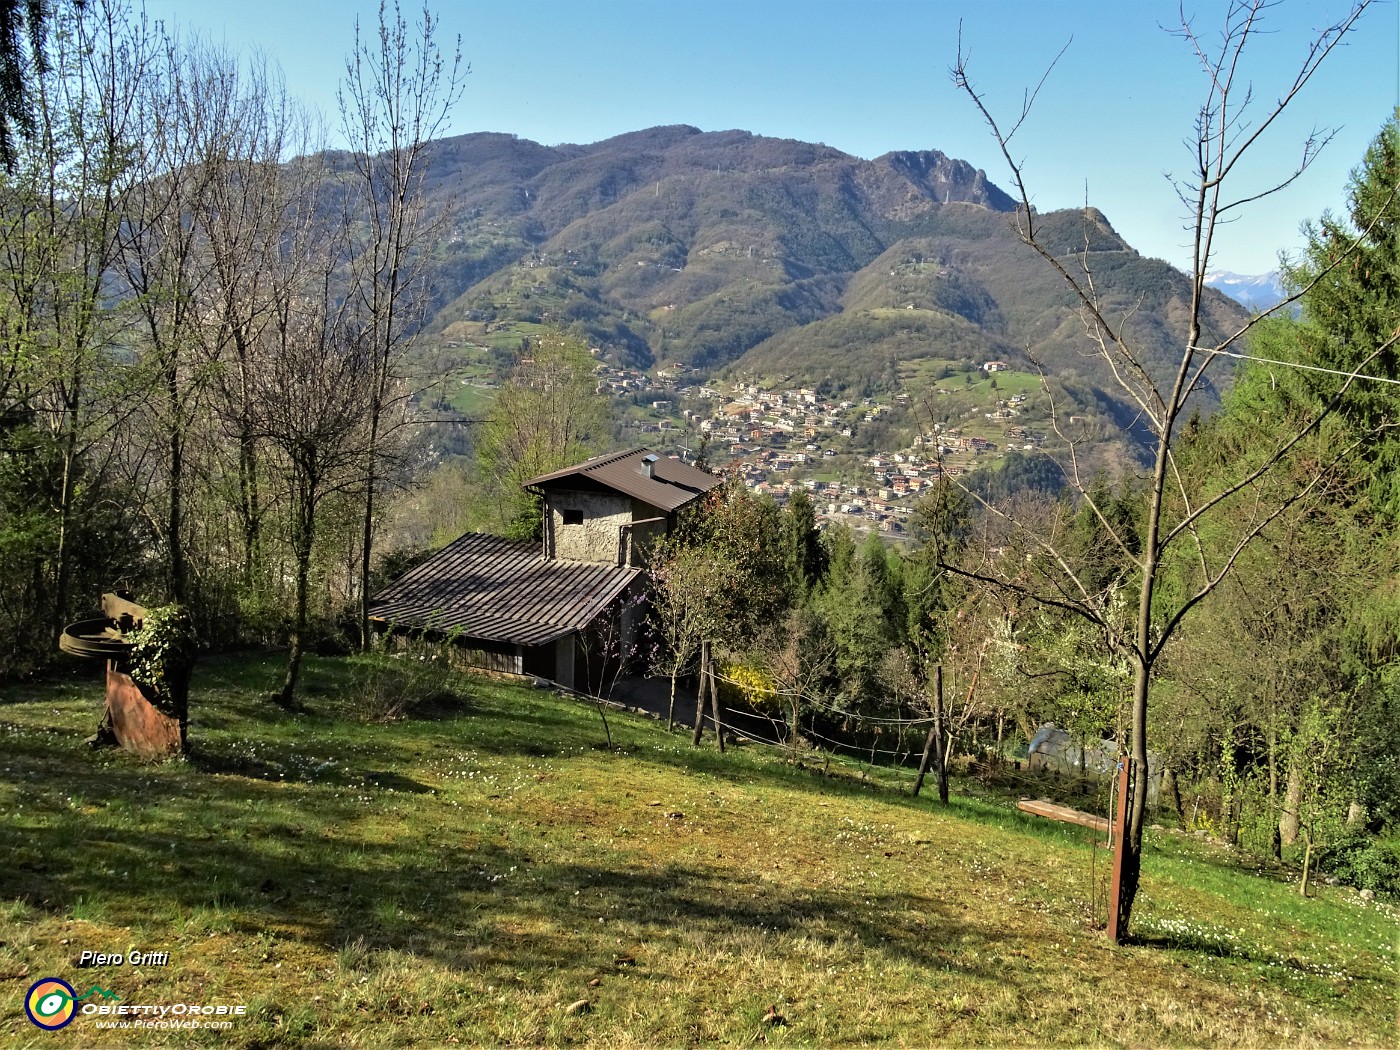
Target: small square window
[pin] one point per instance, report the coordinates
(572, 517)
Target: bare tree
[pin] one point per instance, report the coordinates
(312, 396)
(682, 607)
(608, 646)
(179, 147)
(397, 94)
(798, 655)
(250, 202)
(962, 675)
(1230, 122)
(310, 378)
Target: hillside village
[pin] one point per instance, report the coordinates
(779, 439)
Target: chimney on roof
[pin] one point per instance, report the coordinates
(649, 465)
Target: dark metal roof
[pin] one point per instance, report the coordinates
(672, 486)
(501, 591)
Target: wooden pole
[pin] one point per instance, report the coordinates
(700, 695)
(923, 759)
(715, 707)
(1307, 860)
(942, 744)
(1117, 929)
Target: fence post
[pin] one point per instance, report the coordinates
(715, 707)
(700, 695)
(1120, 827)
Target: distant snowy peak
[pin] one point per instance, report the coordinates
(1256, 293)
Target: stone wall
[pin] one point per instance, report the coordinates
(597, 539)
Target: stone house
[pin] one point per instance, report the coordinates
(532, 608)
(609, 509)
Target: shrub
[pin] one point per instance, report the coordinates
(743, 686)
(410, 675)
(162, 651)
(1364, 861)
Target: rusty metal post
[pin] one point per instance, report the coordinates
(138, 724)
(1120, 834)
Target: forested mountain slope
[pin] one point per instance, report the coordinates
(717, 248)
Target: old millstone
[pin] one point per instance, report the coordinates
(147, 718)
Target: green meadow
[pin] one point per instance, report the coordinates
(484, 870)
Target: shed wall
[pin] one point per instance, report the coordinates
(598, 539)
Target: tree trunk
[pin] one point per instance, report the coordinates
(62, 570)
(607, 732)
(249, 498)
(63, 553)
(1132, 839)
(371, 479)
(1173, 791)
(942, 745)
(286, 696)
(1307, 861)
(252, 518)
(305, 540)
(175, 524)
(1144, 638)
(1275, 835)
(1288, 823)
(367, 541)
(179, 574)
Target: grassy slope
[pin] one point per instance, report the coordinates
(464, 876)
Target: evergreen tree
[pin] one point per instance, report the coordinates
(883, 582)
(1298, 653)
(23, 29)
(1350, 276)
(862, 603)
(803, 555)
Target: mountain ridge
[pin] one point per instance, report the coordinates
(1253, 291)
(730, 250)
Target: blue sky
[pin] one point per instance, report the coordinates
(871, 76)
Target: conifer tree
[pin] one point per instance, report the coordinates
(1349, 277)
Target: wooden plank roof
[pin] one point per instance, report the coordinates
(500, 590)
(672, 485)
